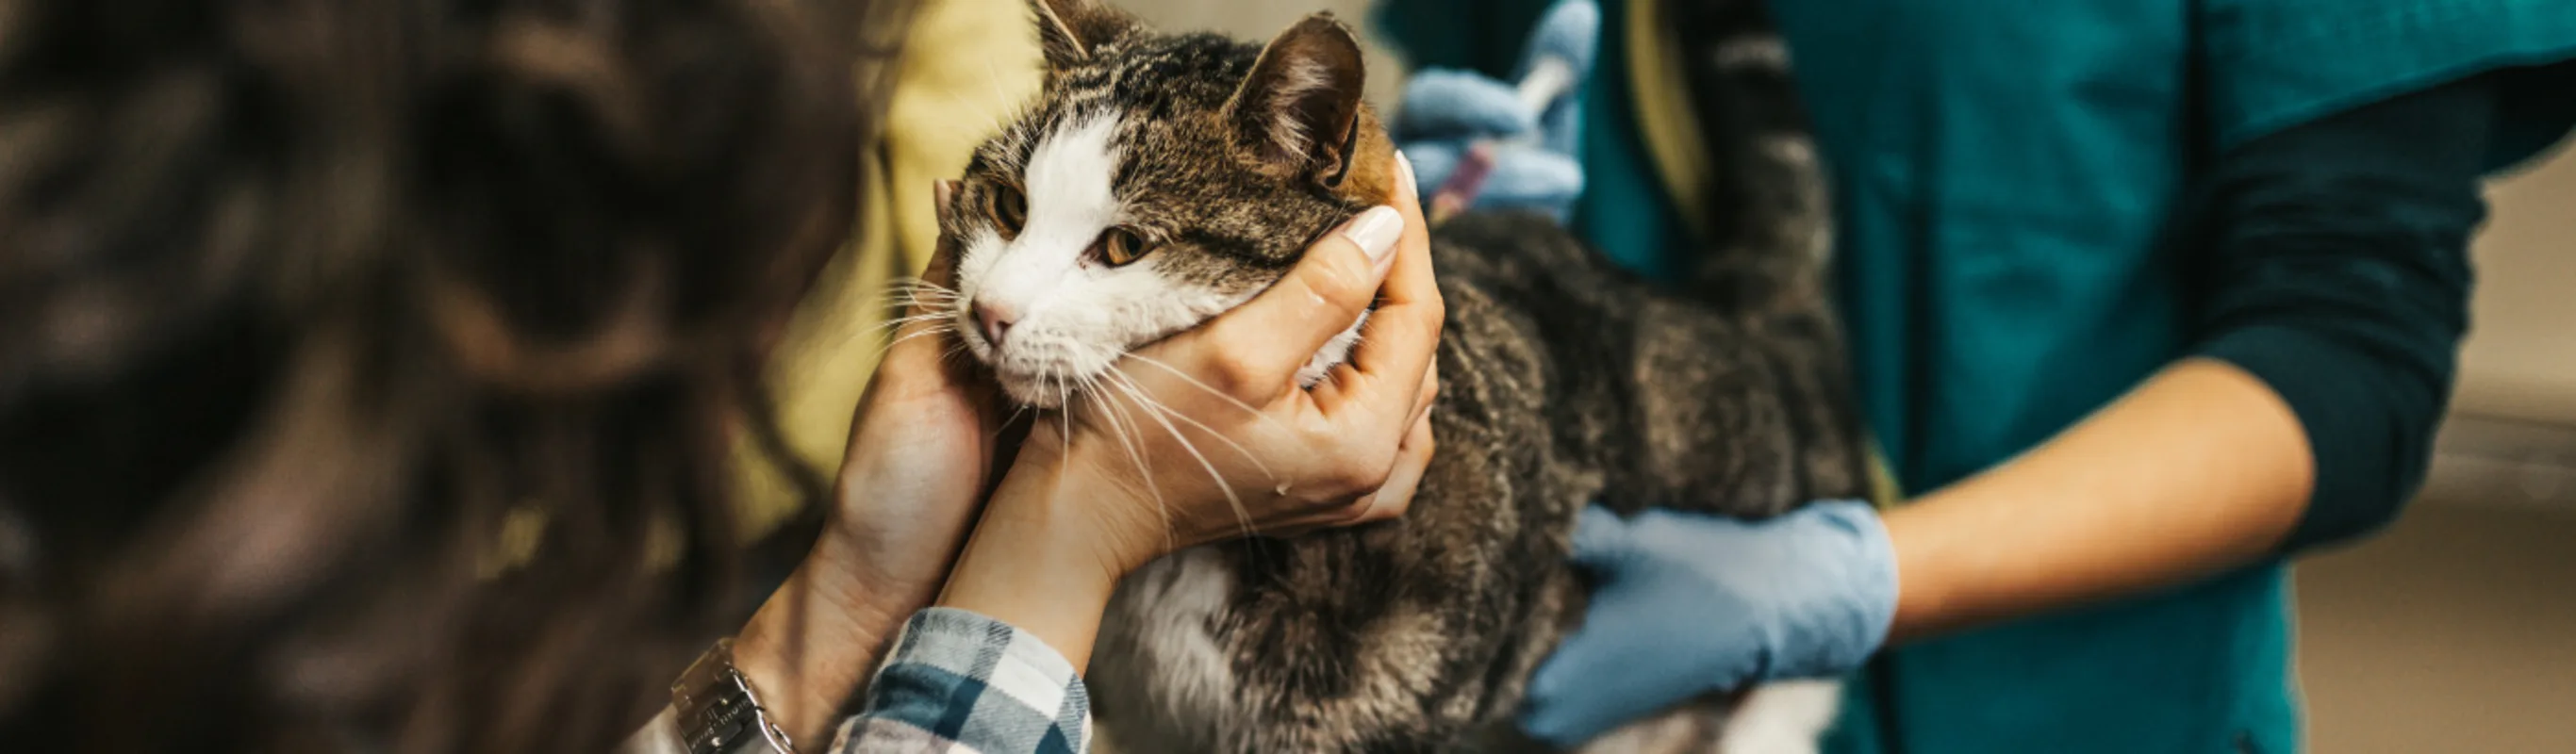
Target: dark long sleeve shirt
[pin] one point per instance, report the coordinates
(2338, 273)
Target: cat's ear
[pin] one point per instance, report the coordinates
(1068, 30)
(943, 192)
(1300, 108)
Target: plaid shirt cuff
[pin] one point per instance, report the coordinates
(962, 683)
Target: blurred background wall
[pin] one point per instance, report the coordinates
(2456, 630)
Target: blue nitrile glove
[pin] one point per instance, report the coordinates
(1447, 110)
(1686, 604)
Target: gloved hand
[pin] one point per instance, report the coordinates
(1685, 604)
(1447, 111)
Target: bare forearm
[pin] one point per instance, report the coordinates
(815, 641)
(1039, 561)
(2201, 469)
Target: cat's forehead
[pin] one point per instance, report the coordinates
(1157, 76)
(1163, 91)
(1152, 108)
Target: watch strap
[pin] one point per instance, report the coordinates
(718, 712)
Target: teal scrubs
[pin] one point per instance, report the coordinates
(2003, 173)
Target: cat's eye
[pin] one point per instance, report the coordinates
(1008, 207)
(1120, 246)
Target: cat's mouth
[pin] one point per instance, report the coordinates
(1044, 374)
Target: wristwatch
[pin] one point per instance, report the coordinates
(717, 711)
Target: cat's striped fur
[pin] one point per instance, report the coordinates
(1565, 381)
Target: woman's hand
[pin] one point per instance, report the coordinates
(920, 456)
(1208, 436)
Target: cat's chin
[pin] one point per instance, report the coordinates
(1044, 385)
(1033, 391)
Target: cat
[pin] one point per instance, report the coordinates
(1161, 179)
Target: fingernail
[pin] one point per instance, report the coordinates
(1376, 231)
(1412, 190)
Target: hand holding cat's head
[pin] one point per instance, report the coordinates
(1157, 181)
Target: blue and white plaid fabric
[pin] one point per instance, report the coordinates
(961, 683)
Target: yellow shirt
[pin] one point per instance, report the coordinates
(967, 66)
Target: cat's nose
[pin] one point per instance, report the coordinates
(995, 319)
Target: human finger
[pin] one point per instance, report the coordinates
(1257, 347)
(1385, 371)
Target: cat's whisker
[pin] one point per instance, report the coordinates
(917, 288)
(993, 78)
(1241, 513)
(923, 284)
(1064, 417)
(897, 335)
(908, 303)
(1194, 382)
(1242, 516)
(1145, 467)
(1134, 447)
(897, 323)
(931, 331)
(905, 319)
(1007, 421)
(936, 329)
(1138, 391)
(931, 305)
(907, 296)
(1063, 407)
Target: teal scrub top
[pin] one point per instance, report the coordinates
(2003, 172)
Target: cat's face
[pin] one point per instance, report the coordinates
(1158, 181)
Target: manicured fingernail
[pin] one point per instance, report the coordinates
(1376, 231)
(1412, 190)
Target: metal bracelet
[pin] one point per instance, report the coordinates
(719, 713)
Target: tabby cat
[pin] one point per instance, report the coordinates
(1161, 179)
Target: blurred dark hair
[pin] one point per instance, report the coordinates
(368, 368)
